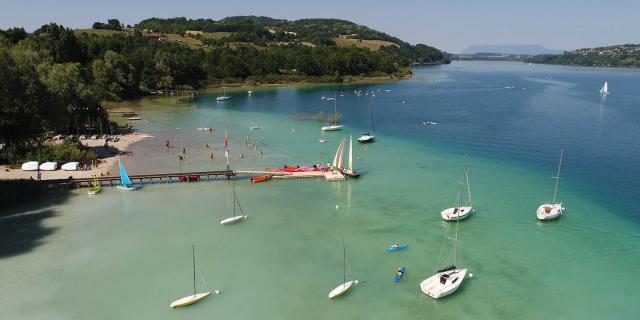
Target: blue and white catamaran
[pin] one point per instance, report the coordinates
(125, 184)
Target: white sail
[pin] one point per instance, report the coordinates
(341, 156)
(605, 88)
(350, 153)
(336, 159)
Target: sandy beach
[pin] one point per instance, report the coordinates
(108, 160)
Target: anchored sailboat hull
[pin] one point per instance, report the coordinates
(443, 283)
(456, 213)
(189, 300)
(549, 211)
(342, 289)
(350, 173)
(366, 138)
(332, 128)
(233, 219)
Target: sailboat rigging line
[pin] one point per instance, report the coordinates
(344, 261)
(204, 280)
(193, 247)
(444, 241)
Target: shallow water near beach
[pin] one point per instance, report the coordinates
(128, 255)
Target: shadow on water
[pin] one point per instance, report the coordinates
(22, 227)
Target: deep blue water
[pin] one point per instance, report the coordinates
(549, 108)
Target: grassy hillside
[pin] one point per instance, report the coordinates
(627, 55)
(265, 31)
(369, 44)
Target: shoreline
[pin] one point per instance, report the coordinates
(108, 160)
(360, 80)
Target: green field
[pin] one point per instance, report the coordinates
(100, 32)
(216, 35)
(370, 44)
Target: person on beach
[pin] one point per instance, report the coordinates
(206, 145)
(184, 150)
(166, 144)
(211, 156)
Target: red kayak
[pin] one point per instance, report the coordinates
(260, 178)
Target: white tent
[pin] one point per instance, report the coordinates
(30, 166)
(71, 166)
(49, 166)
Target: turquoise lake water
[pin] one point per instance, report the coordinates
(128, 255)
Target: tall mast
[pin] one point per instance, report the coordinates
(371, 117)
(335, 109)
(194, 268)
(455, 247)
(344, 262)
(351, 153)
(234, 197)
(466, 175)
(557, 177)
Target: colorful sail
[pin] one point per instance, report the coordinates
(124, 178)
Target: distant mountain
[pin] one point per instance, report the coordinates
(516, 49)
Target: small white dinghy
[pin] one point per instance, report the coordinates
(341, 289)
(195, 297)
(460, 212)
(49, 166)
(189, 300)
(553, 210)
(30, 166)
(235, 218)
(346, 285)
(71, 166)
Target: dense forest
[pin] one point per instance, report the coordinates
(53, 80)
(627, 55)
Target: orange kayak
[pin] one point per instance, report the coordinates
(260, 178)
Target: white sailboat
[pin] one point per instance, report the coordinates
(223, 97)
(348, 171)
(235, 218)
(446, 280)
(195, 297)
(553, 210)
(368, 137)
(346, 285)
(322, 138)
(460, 211)
(335, 126)
(605, 89)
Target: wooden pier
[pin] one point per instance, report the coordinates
(112, 181)
(145, 178)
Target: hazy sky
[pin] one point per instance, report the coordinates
(451, 25)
